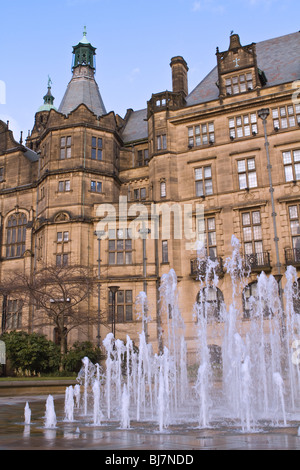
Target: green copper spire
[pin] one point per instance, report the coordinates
(84, 53)
(48, 98)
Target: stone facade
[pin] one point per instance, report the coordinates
(206, 148)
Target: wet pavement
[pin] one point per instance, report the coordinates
(83, 435)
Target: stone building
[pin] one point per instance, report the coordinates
(186, 151)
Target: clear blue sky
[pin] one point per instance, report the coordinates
(135, 40)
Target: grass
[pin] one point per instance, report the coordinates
(36, 379)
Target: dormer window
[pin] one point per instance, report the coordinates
(239, 84)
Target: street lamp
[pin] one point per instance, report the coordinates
(263, 115)
(144, 233)
(99, 234)
(113, 290)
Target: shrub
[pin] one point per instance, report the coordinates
(33, 352)
(73, 358)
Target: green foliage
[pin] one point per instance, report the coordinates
(31, 352)
(73, 358)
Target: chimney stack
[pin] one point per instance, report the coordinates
(179, 75)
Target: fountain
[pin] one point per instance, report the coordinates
(256, 382)
(259, 381)
(27, 414)
(50, 416)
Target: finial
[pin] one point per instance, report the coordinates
(49, 82)
(84, 31)
(231, 33)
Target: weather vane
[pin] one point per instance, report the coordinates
(49, 82)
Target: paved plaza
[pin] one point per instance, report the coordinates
(83, 435)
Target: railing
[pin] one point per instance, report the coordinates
(199, 267)
(292, 256)
(258, 261)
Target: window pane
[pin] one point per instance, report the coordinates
(297, 171)
(120, 257)
(256, 217)
(293, 210)
(296, 155)
(287, 158)
(198, 174)
(207, 172)
(288, 170)
(252, 179)
(211, 225)
(208, 187)
(94, 140)
(295, 228)
(257, 233)
(241, 166)
(128, 312)
(251, 164)
(67, 185)
(93, 154)
(128, 296)
(247, 234)
(199, 188)
(99, 187)
(246, 218)
(258, 246)
(243, 181)
(59, 236)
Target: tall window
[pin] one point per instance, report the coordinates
(252, 232)
(14, 314)
(201, 134)
(239, 84)
(161, 141)
(120, 248)
(97, 148)
(295, 226)
(165, 254)
(286, 116)
(203, 179)
(16, 235)
(209, 235)
(163, 189)
(142, 157)
(247, 173)
(243, 126)
(65, 147)
(291, 162)
(123, 306)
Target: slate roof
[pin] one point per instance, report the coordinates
(279, 58)
(136, 127)
(82, 89)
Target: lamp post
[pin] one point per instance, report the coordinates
(144, 232)
(99, 235)
(263, 115)
(113, 290)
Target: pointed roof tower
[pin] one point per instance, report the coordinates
(48, 99)
(83, 89)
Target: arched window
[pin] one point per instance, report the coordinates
(250, 301)
(16, 235)
(210, 300)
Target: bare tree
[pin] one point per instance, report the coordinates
(61, 297)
